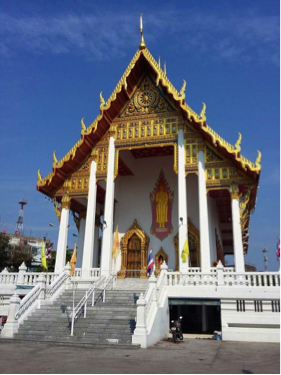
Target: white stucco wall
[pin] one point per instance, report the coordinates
(133, 196)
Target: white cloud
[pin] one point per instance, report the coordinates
(233, 37)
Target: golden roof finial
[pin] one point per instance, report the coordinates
(258, 160)
(165, 67)
(203, 112)
(83, 126)
(142, 42)
(238, 143)
(102, 101)
(55, 160)
(159, 62)
(182, 91)
(39, 177)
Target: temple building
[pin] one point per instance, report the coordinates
(153, 167)
(151, 170)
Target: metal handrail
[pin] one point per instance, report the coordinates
(89, 292)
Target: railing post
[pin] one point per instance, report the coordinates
(67, 269)
(220, 278)
(41, 280)
(22, 272)
(141, 323)
(164, 269)
(12, 324)
(152, 284)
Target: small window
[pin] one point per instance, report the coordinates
(217, 174)
(240, 305)
(209, 174)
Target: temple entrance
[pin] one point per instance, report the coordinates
(134, 257)
(199, 315)
(134, 246)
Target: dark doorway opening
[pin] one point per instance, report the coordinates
(199, 316)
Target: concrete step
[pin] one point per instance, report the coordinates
(75, 338)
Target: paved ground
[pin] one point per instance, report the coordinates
(190, 356)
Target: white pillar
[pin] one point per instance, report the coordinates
(63, 231)
(182, 201)
(81, 237)
(108, 211)
(87, 262)
(12, 325)
(237, 234)
(205, 256)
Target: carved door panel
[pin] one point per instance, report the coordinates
(134, 256)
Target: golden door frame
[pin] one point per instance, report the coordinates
(162, 253)
(134, 229)
(194, 234)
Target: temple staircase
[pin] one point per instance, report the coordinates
(109, 323)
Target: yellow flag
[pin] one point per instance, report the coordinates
(115, 247)
(185, 252)
(73, 260)
(43, 257)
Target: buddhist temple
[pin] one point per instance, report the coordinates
(153, 167)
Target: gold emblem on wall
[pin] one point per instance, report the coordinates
(147, 99)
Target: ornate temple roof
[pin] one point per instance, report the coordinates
(109, 110)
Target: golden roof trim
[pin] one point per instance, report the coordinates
(161, 76)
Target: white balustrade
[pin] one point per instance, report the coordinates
(8, 278)
(94, 273)
(28, 301)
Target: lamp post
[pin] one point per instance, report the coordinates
(264, 250)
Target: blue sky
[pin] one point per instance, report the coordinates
(56, 57)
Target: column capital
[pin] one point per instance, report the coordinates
(234, 191)
(201, 146)
(95, 155)
(65, 202)
(112, 131)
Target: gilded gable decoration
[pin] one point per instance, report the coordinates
(211, 156)
(147, 99)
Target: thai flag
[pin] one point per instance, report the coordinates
(49, 251)
(150, 264)
(278, 248)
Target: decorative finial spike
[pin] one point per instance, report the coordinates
(142, 42)
(159, 61)
(258, 160)
(83, 126)
(182, 91)
(55, 160)
(102, 101)
(203, 112)
(165, 67)
(238, 142)
(39, 177)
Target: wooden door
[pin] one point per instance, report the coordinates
(134, 257)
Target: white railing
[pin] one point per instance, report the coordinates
(101, 284)
(8, 278)
(93, 273)
(57, 284)
(196, 279)
(30, 278)
(252, 279)
(28, 301)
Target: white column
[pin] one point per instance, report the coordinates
(87, 262)
(182, 201)
(205, 256)
(81, 237)
(237, 234)
(63, 232)
(108, 212)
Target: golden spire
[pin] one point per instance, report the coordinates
(203, 112)
(159, 62)
(165, 67)
(102, 101)
(83, 126)
(142, 42)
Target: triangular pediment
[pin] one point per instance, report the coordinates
(146, 99)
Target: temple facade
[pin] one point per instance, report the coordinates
(153, 171)
(153, 167)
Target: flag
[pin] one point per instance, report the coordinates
(185, 251)
(278, 248)
(116, 246)
(73, 260)
(43, 257)
(150, 264)
(49, 251)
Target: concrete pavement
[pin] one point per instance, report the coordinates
(191, 356)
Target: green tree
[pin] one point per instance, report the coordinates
(52, 261)
(18, 255)
(4, 250)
